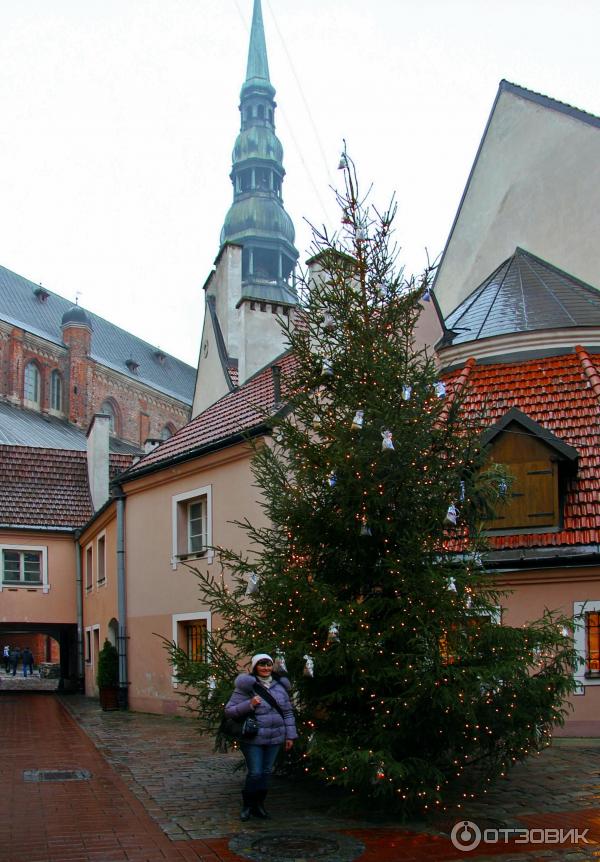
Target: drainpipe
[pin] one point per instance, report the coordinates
(79, 604)
(122, 637)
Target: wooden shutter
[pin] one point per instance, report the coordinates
(533, 498)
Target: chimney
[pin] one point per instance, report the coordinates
(97, 459)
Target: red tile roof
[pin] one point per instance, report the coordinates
(238, 411)
(561, 393)
(47, 488)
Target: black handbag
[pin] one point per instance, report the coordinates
(238, 729)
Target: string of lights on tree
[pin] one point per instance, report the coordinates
(366, 577)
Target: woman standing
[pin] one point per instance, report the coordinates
(264, 695)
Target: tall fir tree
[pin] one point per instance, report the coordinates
(367, 582)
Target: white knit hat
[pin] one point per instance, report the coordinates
(258, 657)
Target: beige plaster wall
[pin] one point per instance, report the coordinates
(155, 590)
(558, 590)
(100, 602)
(33, 605)
(536, 185)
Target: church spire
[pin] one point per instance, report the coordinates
(257, 219)
(258, 64)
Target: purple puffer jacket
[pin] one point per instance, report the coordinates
(272, 730)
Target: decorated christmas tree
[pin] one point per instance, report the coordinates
(367, 583)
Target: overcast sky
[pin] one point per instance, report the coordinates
(119, 117)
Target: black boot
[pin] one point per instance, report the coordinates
(259, 805)
(248, 806)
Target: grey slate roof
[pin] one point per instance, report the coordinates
(524, 294)
(19, 427)
(111, 345)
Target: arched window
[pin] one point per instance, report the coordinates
(56, 392)
(108, 408)
(167, 432)
(31, 387)
(261, 112)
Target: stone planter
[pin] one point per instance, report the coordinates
(109, 697)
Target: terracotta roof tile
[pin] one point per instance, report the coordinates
(238, 411)
(47, 488)
(560, 393)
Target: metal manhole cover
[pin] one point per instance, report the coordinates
(56, 775)
(296, 846)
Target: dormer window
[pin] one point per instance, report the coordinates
(160, 356)
(41, 293)
(132, 365)
(540, 464)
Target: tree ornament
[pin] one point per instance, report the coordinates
(211, 684)
(462, 492)
(326, 368)
(343, 162)
(387, 444)
(361, 234)
(451, 515)
(328, 321)
(253, 584)
(406, 392)
(280, 664)
(316, 422)
(380, 774)
(502, 488)
(309, 667)
(365, 530)
(426, 295)
(332, 480)
(359, 418)
(565, 632)
(451, 585)
(333, 635)
(440, 389)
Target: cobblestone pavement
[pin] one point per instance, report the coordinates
(158, 792)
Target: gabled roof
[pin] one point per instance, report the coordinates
(20, 427)
(111, 345)
(516, 416)
(47, 488)
(562, 395)
(524, 294)
(239, 413)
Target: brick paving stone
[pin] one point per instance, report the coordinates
(159, 792)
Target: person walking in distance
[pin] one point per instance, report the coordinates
(264, 695)
(27, 661)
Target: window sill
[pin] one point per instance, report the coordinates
(195, 555)
(101, 583)
(33, 588)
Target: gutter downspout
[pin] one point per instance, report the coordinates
(122, 637)
(79, 604)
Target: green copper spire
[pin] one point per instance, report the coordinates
(257, 219)
(258, 64)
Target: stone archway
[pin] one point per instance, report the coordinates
(53, 645)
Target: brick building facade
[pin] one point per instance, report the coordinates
(62, 361)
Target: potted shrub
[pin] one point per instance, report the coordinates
(108, 676)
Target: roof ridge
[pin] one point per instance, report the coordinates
(589, 369)
(550, 102)
(460, 383)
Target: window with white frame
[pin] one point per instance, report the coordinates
(101, 559)
(31, 384)
(24, 566)
(89, 568)
(190, 633)
(192, 525)
(586, 636)
(56, 395)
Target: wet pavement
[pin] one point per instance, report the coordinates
(153, 789)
